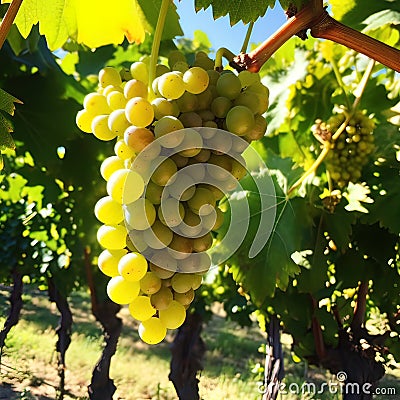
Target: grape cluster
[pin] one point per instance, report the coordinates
(351, 151)
(177, 153)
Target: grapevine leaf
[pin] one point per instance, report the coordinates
(151, 9)
(6, 140)
(355, 12)
(7, 102)
(238, 10)
(92, 22)
(7, 106)
(381, 18)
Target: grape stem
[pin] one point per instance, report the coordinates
(328, 144)
(222, 52)
(156, 41)
(313, 16)
(8, 20)
(247, 37)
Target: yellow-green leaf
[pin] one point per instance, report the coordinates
(94, 23)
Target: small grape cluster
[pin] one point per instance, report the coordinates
(351, 151)
(177, 153)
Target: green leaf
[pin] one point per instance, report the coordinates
(7, 102)
(238, 10)
(151, 9)
(384, 17)
(355, 12)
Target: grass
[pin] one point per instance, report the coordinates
(140, 372)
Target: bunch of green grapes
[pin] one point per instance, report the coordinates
(351, 151)
(178, 146)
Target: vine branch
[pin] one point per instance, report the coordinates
(360, 307)
(8, 20)
(313, 16)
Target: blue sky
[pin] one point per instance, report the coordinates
(220, 32)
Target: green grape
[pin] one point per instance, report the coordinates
(96, 104)
(162, 299)
(181, 66)
(123, 151)
(220, 142)
(117, 122)
(179, 160)
(154, 86)
(259, 129)
(108, 211)
(150, 283)
(206, 115)
(141, 308)
(213, 221)
(108, 261)
(111, 88)
(238, 169)
(125, 74)
(240, 120)
(158, 236)
(125, 186)
(152, 331)
(203, 156)
(197, 281)
(191, 144)
(202, 202)
(84, 121)
(205, 63)
(175, 56)
(171, 212)
(169, 124)
(100, 128)
(204, 265)
(196, 80)
(202, 243)
(182, 188)
(187, 102)
(161, 70)
(161, 272)
(116, 100)
(217, 192)
(214, 76)
(154, 193)
(248, 99)
(191, 225)
(139, 112)
(248, 78)
(132, 267)
(135, 242)
(121, 291)
(109, 76)
(180, 247)
(223, 164)
(184, 298)
(181, 283)
(110, 165)
(171, 85)
(140, 214)
(196, 170)
(138, 138)
(140, 71)
(163, 107)
(112, 237)
(191, 119)
(166, 262)
(228, 85)
(173, 316)
(204, 100)
(220, 106)
(135, 88)
(165, 170)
